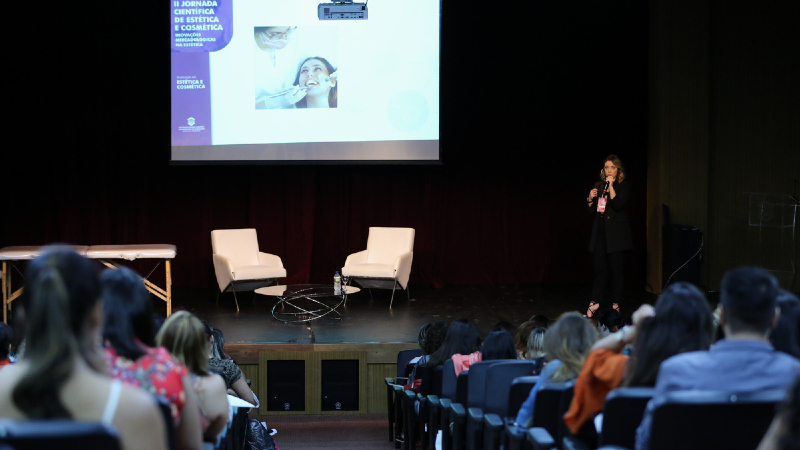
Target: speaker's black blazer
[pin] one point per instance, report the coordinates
(617, 228)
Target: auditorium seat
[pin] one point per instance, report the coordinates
(386, 263)
(551, 403)
(622, 413)
(392, 391)
(58, 434)
(696, 420)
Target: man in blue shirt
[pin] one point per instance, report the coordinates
(744, 361)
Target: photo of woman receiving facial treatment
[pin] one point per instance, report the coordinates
(320, 80)
(288, 75)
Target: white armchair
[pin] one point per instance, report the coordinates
(239, 265)
(386, 263)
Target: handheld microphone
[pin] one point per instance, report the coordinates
(605, 188)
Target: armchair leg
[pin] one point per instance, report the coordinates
(233, 288)
(394, 286)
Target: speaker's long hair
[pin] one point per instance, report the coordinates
(61, 292)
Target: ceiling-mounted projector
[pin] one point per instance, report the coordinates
(342, 10)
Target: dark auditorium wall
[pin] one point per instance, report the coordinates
(724, 122)
(532, 100)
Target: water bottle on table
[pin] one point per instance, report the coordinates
(337, 283)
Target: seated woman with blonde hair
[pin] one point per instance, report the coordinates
(183, 335)
(63, 373)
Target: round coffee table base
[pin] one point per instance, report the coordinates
(302, 303)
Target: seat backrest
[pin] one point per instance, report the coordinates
(240, 246)
(622, 413)
(403, 357)
(384, 245)
(701, 420)
(436, 381)
(462, 384)
(476, 385)
(520, 389)
(169, 424)
(60, 434)
(498, 383)
(449, 381)
(547, 410)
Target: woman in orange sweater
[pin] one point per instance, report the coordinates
(681, 321)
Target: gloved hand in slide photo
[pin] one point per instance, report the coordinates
(280, 100)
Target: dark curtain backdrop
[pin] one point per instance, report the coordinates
(532, 100)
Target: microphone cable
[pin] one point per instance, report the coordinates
(687, 262)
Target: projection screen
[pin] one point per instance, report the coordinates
(269, 81)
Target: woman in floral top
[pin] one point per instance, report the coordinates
(134, 358)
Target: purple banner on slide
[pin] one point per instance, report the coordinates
(191, 99)
(201, 25)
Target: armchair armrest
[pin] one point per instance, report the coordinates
(540, 439)
(356, 258)
(268, 259)
(402, 268)
(223, 268)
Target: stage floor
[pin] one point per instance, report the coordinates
(371, 321)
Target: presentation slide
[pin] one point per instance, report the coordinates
(270, 81)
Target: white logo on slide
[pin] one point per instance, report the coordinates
(190, 121)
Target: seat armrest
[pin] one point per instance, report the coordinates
(223, 268)
(474, 428)
(514, 435)
(270, 260)
(573, 443)
(540, 439)
(356, 258)
(458, 417)
(492, 431)
(402, 268)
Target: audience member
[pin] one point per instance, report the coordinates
(784, 433)
(219, 344)
(235, 382)
(430, 338)
(134, 359)
(183, 336)
(461, 344)
(535, 350)
(540, 320)
(461, 339)
(521, 337)
(744, 360)
(6, 336)
(63, 373)
(786, 335)
(680, 322)
(610, 321)
(566, 344)
(498, 345)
